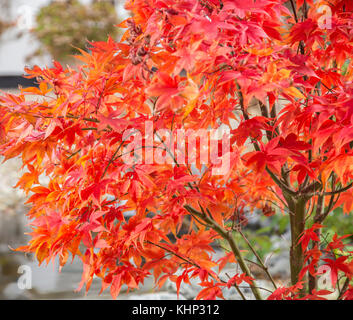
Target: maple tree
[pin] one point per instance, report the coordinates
(268, 70)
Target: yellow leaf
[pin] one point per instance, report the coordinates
(191, 93)
(260, 52)
(284, 74)
(294, 92)
(189, 108)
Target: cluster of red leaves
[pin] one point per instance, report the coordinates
(185, 64)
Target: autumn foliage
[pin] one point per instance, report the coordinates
(277, 73)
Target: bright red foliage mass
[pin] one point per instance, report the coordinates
(268, 69)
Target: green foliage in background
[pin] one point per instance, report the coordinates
(62, 26)
(339, 223)
(263, 238)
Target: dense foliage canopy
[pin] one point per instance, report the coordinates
(276, 73)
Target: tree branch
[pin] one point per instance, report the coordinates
(233, 245)
(339, 191)
(262, 265)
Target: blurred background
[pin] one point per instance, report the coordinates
(36, 32)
